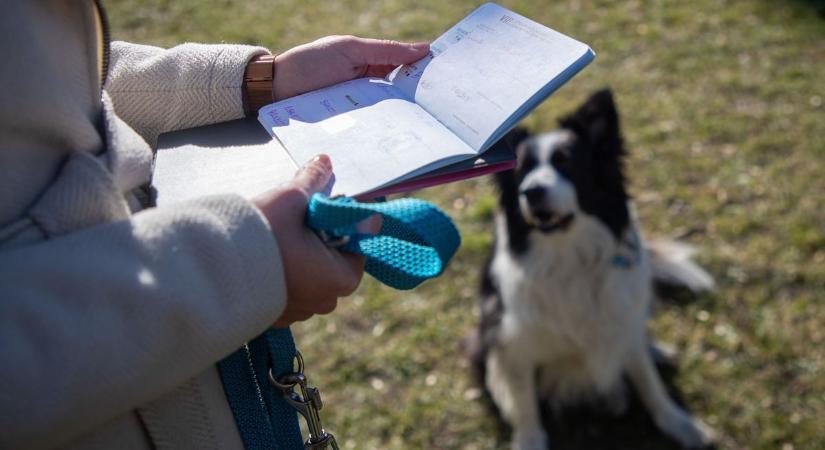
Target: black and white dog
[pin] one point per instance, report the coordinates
(568, 288)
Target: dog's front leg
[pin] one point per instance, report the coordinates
(669, 417)
(512, 384)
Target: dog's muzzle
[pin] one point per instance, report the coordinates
(541, 214)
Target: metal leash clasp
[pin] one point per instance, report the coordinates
(308, 404)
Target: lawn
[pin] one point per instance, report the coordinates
(722, 107)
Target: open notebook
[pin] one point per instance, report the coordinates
(482, 76)
(426, 123)
(240, 157)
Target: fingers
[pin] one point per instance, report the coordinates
(322, 307)
(370, 225)
(286, 206)
(290, 318)
(383, 52)
(314, 176)
(379, 71)
(348, 275)
(316, 275)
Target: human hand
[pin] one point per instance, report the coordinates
(315, 274)
(334, 59)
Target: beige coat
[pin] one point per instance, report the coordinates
(112, 316)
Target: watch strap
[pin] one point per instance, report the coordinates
(257, 83)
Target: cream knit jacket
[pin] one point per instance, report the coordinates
(112, 317)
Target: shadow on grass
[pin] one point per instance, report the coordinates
(592, 428)
(816, 6)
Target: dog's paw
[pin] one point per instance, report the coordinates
(688, 431)
(530, 439)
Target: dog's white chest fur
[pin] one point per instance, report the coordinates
(568, 309)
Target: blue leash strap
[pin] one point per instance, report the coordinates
(265, 420)
(281, 351)
(415, 243)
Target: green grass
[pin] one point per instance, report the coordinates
(722, 107)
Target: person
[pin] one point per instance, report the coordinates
(113, 313)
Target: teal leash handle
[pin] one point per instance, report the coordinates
(415, 243)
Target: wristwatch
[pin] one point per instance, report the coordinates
(257, 83)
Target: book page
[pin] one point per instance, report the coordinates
(372, 133)
(485, 69)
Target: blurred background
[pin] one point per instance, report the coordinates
(722, 109)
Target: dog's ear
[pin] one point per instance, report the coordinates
(597, 121)
(515, 136)
(506, 180)
(602, 192)
(507, 184)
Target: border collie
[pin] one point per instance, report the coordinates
(566, 293)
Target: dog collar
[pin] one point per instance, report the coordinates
(628, 253)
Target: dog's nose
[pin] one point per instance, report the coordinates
(534, 195)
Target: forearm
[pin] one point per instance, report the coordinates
(156, 90)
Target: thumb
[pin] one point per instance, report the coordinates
(387, 52)
(314, 176)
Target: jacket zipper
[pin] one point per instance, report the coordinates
(104, 25)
